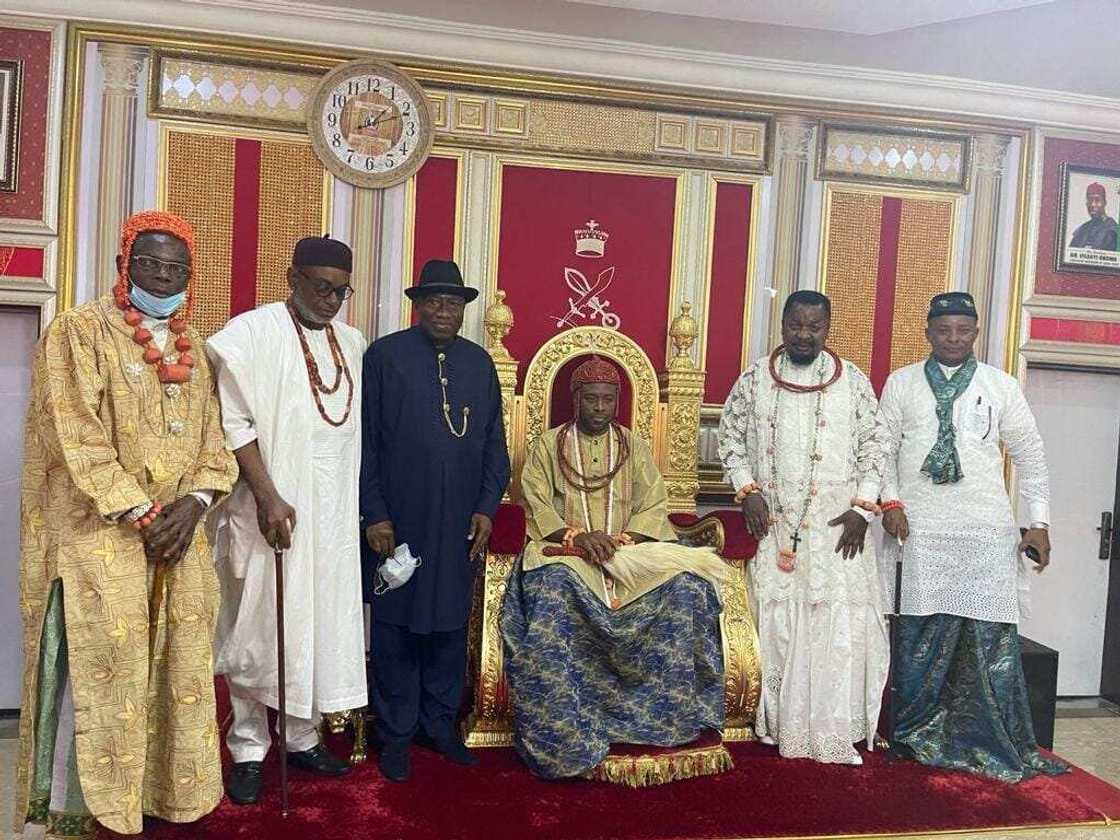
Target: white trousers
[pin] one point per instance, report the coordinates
(248, 738)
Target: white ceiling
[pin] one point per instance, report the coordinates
(861, 17)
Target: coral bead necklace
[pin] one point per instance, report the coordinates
(167, 372)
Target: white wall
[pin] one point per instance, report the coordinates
(19, 328)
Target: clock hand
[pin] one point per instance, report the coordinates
(382, 118)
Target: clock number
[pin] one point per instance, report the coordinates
(404, 149)
(336, 141)
(353, 87)
(339, 100)
(393, 92)
(412, 129)
(406, 109)
(370, 163)
(375, 83)
(349, 155)
(332, 120)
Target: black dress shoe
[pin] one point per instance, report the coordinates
(244, 785)
(455, 750)
(394, 762)
(319, 760)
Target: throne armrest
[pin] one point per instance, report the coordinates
(737, 542)
(508, 534)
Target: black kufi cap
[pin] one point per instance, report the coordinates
(952, 303)
(324, 252)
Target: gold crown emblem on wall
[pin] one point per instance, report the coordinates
(591, 241)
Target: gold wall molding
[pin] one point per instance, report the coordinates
(942, 107)
(192, 86)
(893, 155)
(206, 86)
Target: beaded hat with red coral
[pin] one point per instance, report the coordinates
(595, 371)
(169, 369)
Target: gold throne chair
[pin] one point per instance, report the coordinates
(664, 408)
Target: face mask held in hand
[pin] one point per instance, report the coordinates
(396, 570)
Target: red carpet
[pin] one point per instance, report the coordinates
(764, 796)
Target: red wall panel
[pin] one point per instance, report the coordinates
(728, 296)
(545, 280)
(33, 48)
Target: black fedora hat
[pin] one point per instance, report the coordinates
(441, 277)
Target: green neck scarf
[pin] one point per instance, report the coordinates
(943, 464)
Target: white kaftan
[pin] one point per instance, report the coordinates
(266, 396)
(821, 627)
(962, 554)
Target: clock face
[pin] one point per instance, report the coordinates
(369, 124)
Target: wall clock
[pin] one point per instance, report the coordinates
(369, 124)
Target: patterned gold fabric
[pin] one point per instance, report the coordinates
(852, 272)
(103, 435)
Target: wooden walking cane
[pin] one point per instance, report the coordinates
(282, 710)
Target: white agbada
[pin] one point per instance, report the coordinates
(266, 396)
(962, 555)
(822, 632)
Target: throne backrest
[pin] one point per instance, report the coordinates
(549, 373)
(663, 408)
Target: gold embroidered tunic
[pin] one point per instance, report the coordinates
(635, 501)
(103, 436)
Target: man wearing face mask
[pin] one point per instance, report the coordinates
(123, 454)
(289, 378)
(798, 441)
(434, 467)
(962, 697)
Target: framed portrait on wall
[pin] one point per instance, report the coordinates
(1088, 239)
(11, 74)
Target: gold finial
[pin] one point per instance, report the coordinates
(683, 332)
(498, 321)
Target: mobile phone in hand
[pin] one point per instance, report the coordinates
(1030, 550)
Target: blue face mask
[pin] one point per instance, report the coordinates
(157, 307)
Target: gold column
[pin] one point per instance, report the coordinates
(682, 392)
(365, 239)
(490, 722)
(121, 67)
(498, 321)
(795, 135)
(989, 152)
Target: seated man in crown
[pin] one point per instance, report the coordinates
(611, 629)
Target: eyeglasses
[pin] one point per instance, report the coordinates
(324, 288)
(152, 265)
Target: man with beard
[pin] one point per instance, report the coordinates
(797, 439)
(289, 378)
(1099, 233)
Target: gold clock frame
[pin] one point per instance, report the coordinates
(370, 180)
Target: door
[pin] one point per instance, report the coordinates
(19, 327)
(1078, 414)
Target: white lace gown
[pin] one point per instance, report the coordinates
(822, 631)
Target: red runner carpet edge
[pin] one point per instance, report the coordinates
(764, 796)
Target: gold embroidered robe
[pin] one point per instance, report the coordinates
(103, 435)
(635, 501)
